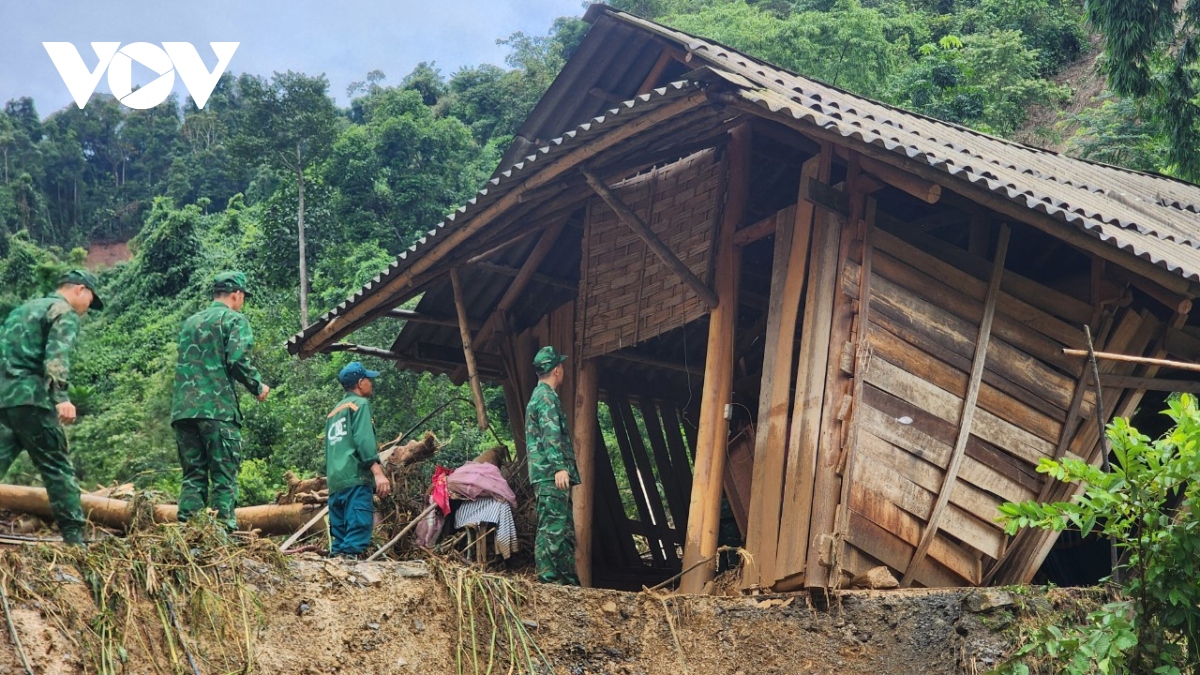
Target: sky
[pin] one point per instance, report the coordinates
(345, 40)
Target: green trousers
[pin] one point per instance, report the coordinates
(210, 452)
(554, 546)
(38, 432)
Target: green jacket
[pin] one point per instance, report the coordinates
(35, 352)
(547, 440)
(214, 352)
(350, 447)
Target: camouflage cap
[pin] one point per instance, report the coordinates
(87, 280)
(546, 359)
(228, 282)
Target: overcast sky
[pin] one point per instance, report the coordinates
(344, 40)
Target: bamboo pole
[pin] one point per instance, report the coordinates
(1144, 360)
(392, 542)
(705, 504)
(586, 402)
(468, 351)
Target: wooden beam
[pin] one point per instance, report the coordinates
(704, 509)
(788, 272)
(1150, 383)
(417, 317)
(767, 226)
(544, 279)
(369, 351)
(656, 71)
(968, 410)
(476, 259)
(625, 355)
(643, 232)
(453, 236)
(586, 402)
(468, 351)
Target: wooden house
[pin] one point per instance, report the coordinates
(846, 320)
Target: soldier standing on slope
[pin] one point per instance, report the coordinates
(35, 360)
(214, 353)
(552, 472)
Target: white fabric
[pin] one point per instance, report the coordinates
(490, 510)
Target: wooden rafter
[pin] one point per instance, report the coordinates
(643, 231)
(968, 409)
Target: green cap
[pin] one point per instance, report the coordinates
(546, 359)
(228, 282)
(86, 279)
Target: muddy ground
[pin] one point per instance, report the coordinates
(320, 616)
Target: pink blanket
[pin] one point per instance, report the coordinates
(472, 480)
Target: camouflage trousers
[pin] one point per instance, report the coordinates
(554, 546)
(37, 431)
(209, 451)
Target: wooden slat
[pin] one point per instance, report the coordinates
(648, 479)
(959, 336)
(678, 448)
(610, 506)
(676, 498)
(788, 272)
(705, 506)
(822, 403)
(897, 351)
(907, 528)
(918, 501)
(641, 492)
(930, 439)
(892, 551)
(739, 470)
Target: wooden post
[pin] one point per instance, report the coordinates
(704, 509)
(643, 231)
(788, 271)
(468, 351)
(586, 402)
(968, 411)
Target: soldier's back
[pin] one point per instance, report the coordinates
(23, 350)
(203, 387)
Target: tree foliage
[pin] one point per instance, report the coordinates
(1148, 504)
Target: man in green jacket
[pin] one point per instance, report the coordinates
(352, 467)
(214, 354)
(552, 472)
(35, 361)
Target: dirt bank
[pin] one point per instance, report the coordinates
(326, 617)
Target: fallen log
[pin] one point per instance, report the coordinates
(268, 519)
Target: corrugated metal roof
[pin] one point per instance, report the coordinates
(1149, 216)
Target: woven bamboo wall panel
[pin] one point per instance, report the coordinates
(627, 294)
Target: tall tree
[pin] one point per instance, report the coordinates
(288, 125)
(1152, 48)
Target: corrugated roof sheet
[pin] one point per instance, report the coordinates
(1149, 216)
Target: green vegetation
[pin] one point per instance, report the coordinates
(1148, 504)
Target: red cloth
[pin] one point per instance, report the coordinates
(438, 493)
(471, 480)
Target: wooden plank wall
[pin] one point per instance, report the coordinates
(923, 325)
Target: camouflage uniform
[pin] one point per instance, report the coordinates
(548, 444)
(35, 361)
(213, 354)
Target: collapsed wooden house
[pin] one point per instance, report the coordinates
(846, 319)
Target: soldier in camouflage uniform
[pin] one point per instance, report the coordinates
(214, 354)
(552, 472)
(35, 360)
